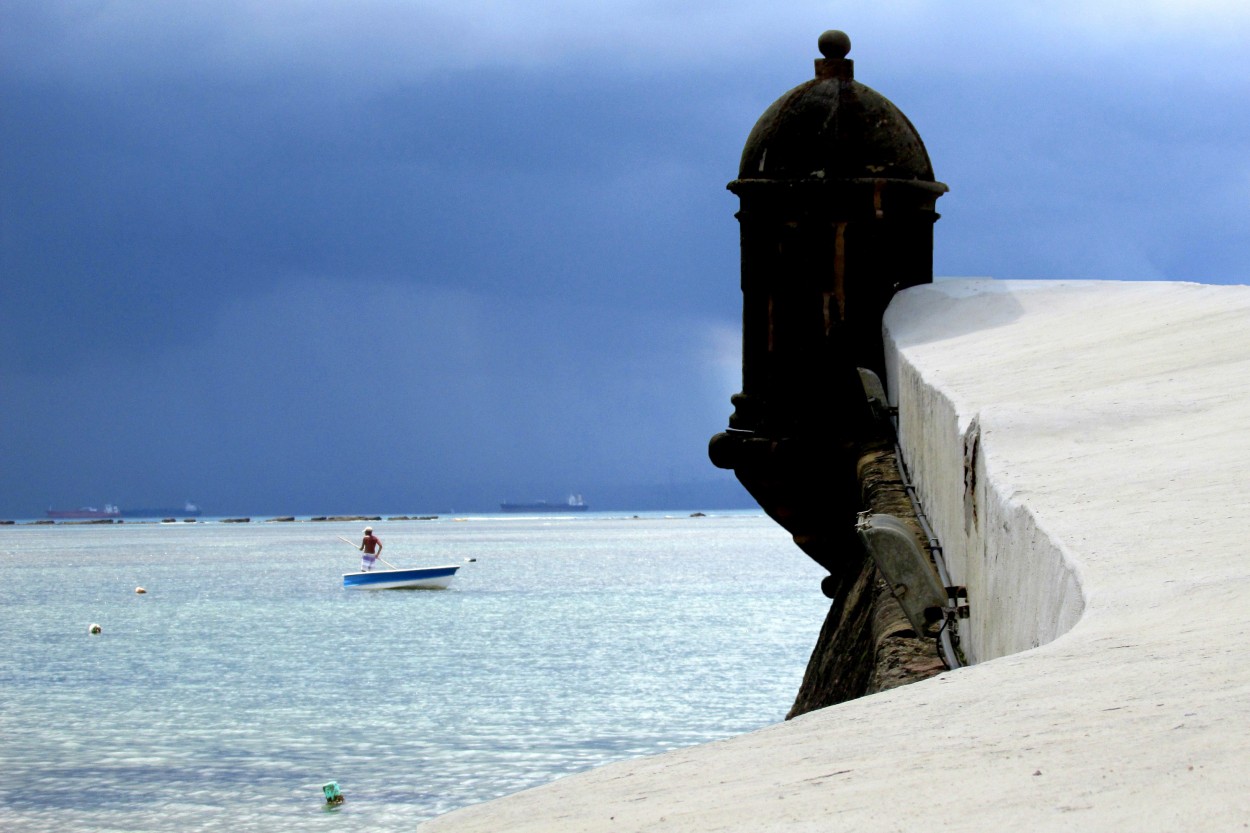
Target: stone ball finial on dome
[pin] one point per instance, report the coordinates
(834, 44)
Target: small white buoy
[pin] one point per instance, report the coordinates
(140, 590)
(94, 628)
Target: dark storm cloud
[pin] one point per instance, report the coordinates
(130, 204)
(300, 256)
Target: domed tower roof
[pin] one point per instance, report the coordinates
(834, 128)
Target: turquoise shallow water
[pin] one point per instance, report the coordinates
(246, 677)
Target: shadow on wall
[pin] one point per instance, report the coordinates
(943, 319)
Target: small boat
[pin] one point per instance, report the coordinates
(436, 578)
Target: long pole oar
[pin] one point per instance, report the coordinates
(357, 546)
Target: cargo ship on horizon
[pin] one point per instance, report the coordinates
(188, 510)
(85, 512)
(573, 504)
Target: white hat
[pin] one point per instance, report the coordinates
(368, 530)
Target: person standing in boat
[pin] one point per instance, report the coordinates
(371, 546)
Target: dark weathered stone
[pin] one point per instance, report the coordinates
(841, 664)
(867, 644)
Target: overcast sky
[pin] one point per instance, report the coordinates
(398, 256)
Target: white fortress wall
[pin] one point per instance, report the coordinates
(1080, 404)
(1025, 586)
(1108, 523)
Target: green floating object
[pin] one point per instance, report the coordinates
(332, 793)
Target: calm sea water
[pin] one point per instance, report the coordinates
(246, 677)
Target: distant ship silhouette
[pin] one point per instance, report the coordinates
(573, 504)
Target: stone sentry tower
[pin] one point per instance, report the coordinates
(837, 210)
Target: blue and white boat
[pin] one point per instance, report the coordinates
(435, 578)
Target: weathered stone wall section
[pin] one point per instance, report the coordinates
(841, 665)
(866, 644)
(900, 655)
